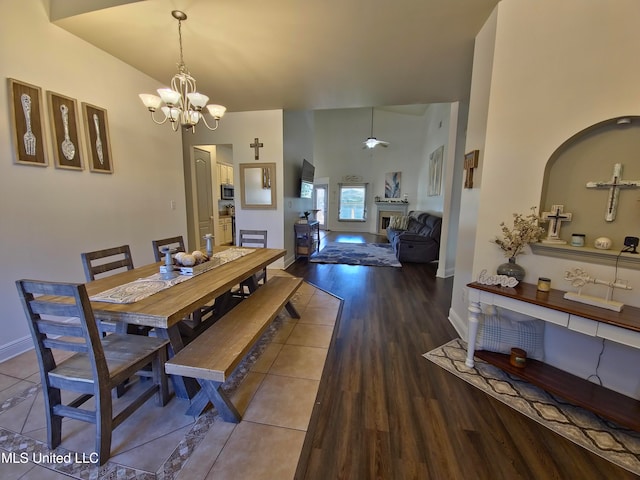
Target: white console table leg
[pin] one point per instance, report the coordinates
(474, 313)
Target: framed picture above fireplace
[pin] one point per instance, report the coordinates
(392, 185)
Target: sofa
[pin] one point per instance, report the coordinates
(415, 237)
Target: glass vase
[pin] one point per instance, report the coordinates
(511, 269)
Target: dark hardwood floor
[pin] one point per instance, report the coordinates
(385, 412)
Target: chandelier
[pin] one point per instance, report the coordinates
(181, 104)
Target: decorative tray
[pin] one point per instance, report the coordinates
(200, 268)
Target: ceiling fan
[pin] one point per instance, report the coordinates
(373, 142)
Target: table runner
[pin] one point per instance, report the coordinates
(144, 287)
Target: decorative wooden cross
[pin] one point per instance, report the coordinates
(614, 186)
(256, 146)
(470, 162)
(555, 218)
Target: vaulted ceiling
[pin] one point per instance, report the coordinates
(293, 54)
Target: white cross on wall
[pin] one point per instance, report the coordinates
(614, 186)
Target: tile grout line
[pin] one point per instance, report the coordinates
(178, 458)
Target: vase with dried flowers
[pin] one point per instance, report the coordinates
(526, 229)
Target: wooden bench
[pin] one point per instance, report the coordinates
(212, 356)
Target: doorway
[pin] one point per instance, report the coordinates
(208, 167)
(204, 195)
(320, 203)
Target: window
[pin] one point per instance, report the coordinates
(353, 203)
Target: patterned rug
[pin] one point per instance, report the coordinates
(369, 254)
(602, 437)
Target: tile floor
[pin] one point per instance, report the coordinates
(275, 396)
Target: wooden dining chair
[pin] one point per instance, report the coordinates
(254, 239)
(109, 261)
(98, 365)
(175, 243)
(95, 264)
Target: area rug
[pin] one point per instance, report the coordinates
(369, 254)
(602, 437)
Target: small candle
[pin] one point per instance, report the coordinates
(577, 240)
(544, 284)
(518, 358)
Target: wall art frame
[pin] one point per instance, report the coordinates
(65, 131)
(27, 123)
(392, 182)
(434, 187)
(470, 164)
(96, 127)
(258, 189)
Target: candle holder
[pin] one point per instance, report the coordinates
(209, 238)
(167, 269)
(518, 358)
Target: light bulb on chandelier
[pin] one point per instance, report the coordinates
(181, 104)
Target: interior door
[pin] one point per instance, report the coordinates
(204, 193)
(320, 203)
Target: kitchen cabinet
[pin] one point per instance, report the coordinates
(225, 231)
(225, 174)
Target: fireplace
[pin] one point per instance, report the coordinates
(386, 210)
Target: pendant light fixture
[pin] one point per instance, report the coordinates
(181, 104)
(373, 142)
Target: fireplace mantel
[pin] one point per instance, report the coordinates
(386, 210)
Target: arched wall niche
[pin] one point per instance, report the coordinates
(588, 156)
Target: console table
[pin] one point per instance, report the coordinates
(307, 238)
(621, 327)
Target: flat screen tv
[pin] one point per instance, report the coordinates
(306, 179)
(308, 171)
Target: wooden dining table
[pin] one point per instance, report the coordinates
(164, 309)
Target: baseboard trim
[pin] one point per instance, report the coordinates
(445, 272)
(15, 348)
(288, 261)
(460, 325)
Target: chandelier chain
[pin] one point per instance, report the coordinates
(182, 68)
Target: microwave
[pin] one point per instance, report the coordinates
(226, 192)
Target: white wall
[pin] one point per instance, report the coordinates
(413, 134)
(437, 119)
(444, 127)
(469, 198)
(239, 129)
(298, 145)
(557, 67)
(49, 216)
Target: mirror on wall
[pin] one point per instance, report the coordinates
(258, 185)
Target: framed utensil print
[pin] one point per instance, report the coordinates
(96, 129)
(27, 123)
(63, 118)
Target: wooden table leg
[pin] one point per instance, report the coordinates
(184, 387)
(224, 303)
(251, 283)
